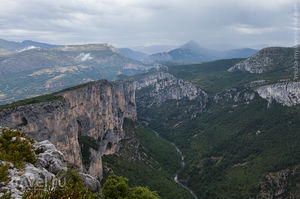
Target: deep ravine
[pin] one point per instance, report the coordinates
(182, 165)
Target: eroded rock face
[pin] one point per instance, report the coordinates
(234, 95)
(252, 65)
(96, 110)
(49, 163)
(157, 88)
(287, 93)
(278, 184)
(267, 59)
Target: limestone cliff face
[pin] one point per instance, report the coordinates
(157, 88)
(96, 110)
(267, 59)
(281, 184)
(49, 163)
(285, 93)
(234, 95)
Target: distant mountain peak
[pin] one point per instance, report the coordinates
(191, 45)
(88, 47)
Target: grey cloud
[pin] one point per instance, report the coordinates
(213, 23)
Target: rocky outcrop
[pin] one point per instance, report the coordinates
(96, 110)
(252, 65)
(49, 163)
(234, 95)
(281, 184)
(157, 88)
(267, 59)
(286, 93)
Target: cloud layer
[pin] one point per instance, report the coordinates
(212, 23)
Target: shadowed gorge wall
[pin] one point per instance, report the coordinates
(96, 111)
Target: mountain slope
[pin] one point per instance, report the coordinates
(13, 46)
(152, 49)
(239, 132)
(94, 126)
(243, 144)
(268, 60)
(191, 52)
(39, 71)
(147, 160)
(238, 53)
(93, 112)
(39, 44)
(132, 54)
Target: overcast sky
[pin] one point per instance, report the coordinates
(212, 23)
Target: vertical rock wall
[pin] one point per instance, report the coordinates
(96, 110)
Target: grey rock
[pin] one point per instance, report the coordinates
(51, 158)
(92, 184)
(234, 95)
(287, 93)
(96, 110)
(267, 59)
(49, 164)
(252, 65)
(277, 184)
(157, 88)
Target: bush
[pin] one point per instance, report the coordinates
(143, 193)
(69, 185)
(16, 147)
(4, 173)
(116, 187)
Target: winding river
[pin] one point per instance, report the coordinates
(182, 165)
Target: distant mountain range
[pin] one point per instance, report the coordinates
(13, 46)
(191, 52)
(152, 49)
(133, 54)
(46, 68)
(32, 68)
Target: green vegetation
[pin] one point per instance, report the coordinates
(56, 69)
(225, 157)
(86, 143)
(213, 76)
(6, 195)
(4, 173)
(116, 187)
(34, 100)
(68, 185)
(75, 87)
(146, 160)
(232, 146)
(16, 147)
(43, 98)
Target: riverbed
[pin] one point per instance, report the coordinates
(182, 163)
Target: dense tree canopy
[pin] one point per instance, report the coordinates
(116, 187)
